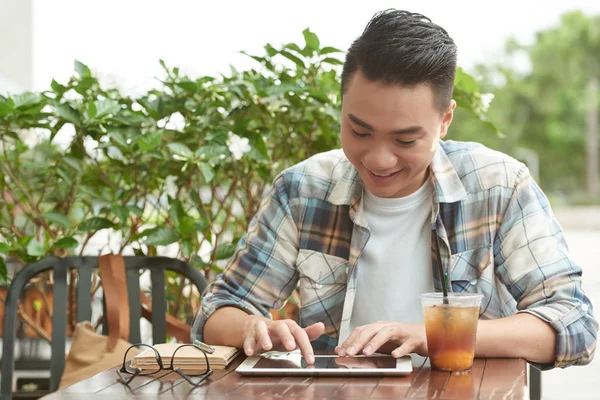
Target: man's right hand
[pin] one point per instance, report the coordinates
(262, 334)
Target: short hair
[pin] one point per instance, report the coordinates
(407, 49)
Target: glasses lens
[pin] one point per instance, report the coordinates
(142, 357)
(195, 366)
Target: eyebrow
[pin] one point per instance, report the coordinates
(410, 129)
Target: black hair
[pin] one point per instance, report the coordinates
(403, 48)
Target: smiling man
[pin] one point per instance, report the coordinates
(360, 232)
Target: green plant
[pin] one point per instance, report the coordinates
(184, 164)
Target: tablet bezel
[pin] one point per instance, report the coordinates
(403, 368)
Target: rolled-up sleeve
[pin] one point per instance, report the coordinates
(533, 262)
(261, 274)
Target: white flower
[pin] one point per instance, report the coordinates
(176, 122)
(486, 100)
(171, 185)
(238, 145)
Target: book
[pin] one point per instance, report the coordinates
(187, 358)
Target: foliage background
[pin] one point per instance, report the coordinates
(187, 163)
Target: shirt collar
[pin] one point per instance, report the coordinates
(447, 184)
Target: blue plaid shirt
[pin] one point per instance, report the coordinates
(493, 231)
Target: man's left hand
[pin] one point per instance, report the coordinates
(396, 338)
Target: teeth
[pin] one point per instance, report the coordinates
(381, 175)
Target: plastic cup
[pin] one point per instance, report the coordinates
(451, 329)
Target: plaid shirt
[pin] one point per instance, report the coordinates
(492, 230)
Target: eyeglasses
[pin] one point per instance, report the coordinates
(126, 369)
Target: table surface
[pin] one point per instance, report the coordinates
(488, 379)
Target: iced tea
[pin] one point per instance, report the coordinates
(451, 329)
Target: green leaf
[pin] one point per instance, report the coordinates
(189, 86)
(211, 152)
(311, 39)
(258, 150)
(187, 225)
(271, 51)
(3, 272)
(82, 69)
(207, 172)
(57, 87)
(73, 163)
(68, 113)
(293, 58)
(122, 212)
(57, 218)
(26, 100)
(35, 248)
(118, 138)
(95, 224)
(149, 141)
(465, 81)
(186, 247)
(162, 237)
(136, 210)
(92, 111)
(224, 251)
(5, 109)
(66, 243)
(176, 212)
(180, 150)
(105, 108)
(5, 248)
(333, 61)
(329, 50)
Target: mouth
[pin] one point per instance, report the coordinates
(381, 176)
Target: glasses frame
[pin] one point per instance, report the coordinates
(161, 367)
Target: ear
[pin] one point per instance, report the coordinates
(447, 119)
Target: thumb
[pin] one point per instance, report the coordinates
(315, 330)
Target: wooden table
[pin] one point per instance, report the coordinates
(489, 379)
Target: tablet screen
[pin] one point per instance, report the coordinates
(324, 362)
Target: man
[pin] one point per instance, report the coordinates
(360, 231)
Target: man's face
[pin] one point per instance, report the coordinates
(390, 134)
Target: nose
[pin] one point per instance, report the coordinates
(380, 159)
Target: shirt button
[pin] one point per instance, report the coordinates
(318, 286)
(473, 282)
(585, 307)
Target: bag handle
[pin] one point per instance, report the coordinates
(114, 284)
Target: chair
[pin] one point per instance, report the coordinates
(535, 383)
(84, 267)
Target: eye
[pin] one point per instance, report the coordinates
(360, 135)
(405, 143)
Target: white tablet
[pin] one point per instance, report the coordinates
(293, 364)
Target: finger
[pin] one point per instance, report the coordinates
(406, 348)
(263, 339)
(303, 342)
(357, 340)
(282, 331)
(249, 344)
(341, 348)
(315, 330)
(380, 338)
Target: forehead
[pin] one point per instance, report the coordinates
(384, 102)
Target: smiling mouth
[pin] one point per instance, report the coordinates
(383, 175)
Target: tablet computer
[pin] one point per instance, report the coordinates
(293, 364)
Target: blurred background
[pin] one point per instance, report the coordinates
(540, 61)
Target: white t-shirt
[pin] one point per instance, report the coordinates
(395, 266)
